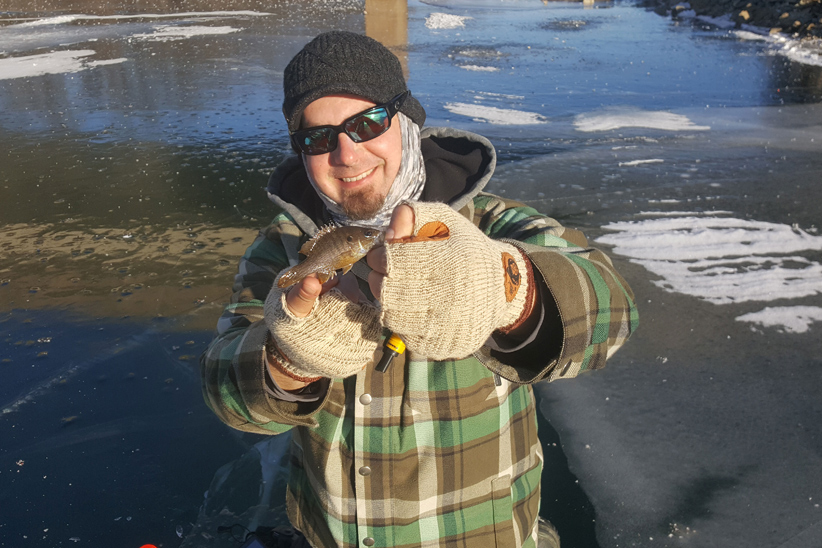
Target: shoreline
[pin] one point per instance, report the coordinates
(799, 19)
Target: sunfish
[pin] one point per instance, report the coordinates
(331, 249)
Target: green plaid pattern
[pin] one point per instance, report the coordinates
(441, 454)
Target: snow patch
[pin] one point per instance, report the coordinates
(59, 20)
(167, 33)
(748, 35)
(722, 260)
(807, 52)
(57, 62)
(723, 22)
(496, 116)
(640, 162)
(65, 19)
(630, 117)
(793, 319)
(440, 21)
(477, 68)
(104, 62)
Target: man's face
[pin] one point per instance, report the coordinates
(357, 176)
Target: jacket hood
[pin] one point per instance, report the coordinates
(458, 165)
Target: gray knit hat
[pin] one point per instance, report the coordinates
(340, 62)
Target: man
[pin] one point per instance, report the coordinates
(488, 295)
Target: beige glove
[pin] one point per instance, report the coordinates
(450, 286)
(337, 339)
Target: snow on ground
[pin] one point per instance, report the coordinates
(166, 33)
(806, 51)
(793, 319)
(58, 62)
(640, 162)
(478, 68)
(495, 115)
(726, 260)
(617, 118)
(64, 19)
(438, 21)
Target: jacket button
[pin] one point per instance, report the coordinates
(365, 471)
(368, 541)
(365, 399)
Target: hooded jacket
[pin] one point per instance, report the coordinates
(431, 452)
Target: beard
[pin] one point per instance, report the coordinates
(362, 204)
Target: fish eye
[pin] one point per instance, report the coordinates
(368, 233)
(350, 238)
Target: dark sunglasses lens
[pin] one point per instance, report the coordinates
(368, 125)
(316, 141)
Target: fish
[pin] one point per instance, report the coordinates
(332, 248)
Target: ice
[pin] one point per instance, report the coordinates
(495, 115)
(617, 118)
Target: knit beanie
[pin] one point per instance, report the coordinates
(341, 62)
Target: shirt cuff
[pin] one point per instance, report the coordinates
(309, 393)
(503, 343)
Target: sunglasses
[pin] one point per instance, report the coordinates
(361, 127)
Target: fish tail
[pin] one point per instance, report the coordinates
(289, 278)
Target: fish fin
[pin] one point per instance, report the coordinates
(346, 268)
(324, 276)
(309, 246)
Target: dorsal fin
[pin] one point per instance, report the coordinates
(308, 246)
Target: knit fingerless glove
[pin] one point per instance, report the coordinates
(448, 287)
(336, 339)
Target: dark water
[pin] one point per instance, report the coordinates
(132, 180)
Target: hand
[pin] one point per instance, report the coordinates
(445, 288)
(319, 330)
(301, 297)
(401, 226)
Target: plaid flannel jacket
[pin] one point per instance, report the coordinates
(430, 453)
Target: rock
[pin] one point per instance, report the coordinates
(780, 15)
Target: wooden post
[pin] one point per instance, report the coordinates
(386, 21)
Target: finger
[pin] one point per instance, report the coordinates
(349, 287)
(377, 259)
(402, 223)
(301, 297)
(375, 283)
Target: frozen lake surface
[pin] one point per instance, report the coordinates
(135, 145)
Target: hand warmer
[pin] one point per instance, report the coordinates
(450, 286)
(337, 339)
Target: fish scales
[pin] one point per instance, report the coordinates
(332, 248)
